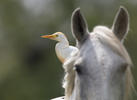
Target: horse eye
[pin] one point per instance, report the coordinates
(123, 67)
(77, 68)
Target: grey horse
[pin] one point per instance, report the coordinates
(101, 70)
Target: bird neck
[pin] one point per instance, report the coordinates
(64, 42)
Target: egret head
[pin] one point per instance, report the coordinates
(58, 36)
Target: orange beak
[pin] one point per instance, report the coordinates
(49, 36)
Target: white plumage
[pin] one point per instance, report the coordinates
(62, 48)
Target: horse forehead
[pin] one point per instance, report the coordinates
(92, 46)
(91, 51)
(97, 50)
(102, 43)
(100, 39)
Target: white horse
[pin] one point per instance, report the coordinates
(101, 70)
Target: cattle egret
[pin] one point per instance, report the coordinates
(62, 48)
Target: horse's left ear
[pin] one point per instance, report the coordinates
(78, 25)
(121, 24)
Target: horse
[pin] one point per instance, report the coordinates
(101, 69)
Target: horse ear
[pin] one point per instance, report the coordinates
(78, 25)
(121, 24)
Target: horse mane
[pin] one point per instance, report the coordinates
(107, 37)
(68, 82)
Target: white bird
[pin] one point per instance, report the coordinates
(62, 48)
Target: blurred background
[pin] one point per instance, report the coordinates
(29, 68)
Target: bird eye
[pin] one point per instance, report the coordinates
(57, 35)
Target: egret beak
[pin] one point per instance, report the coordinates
(53, 36)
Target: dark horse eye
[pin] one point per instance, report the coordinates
(123, 67)
(78, 69)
